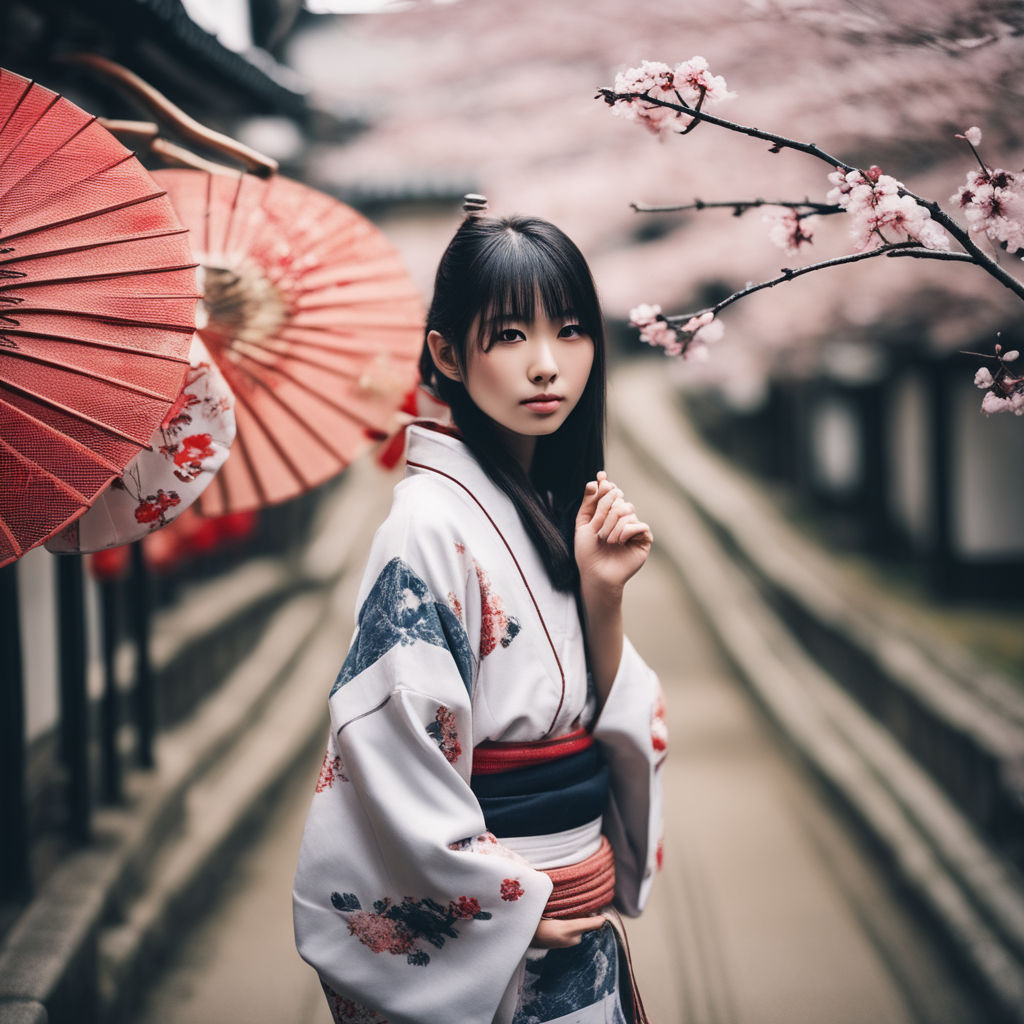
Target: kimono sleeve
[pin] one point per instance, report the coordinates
(409, 911)
(631, 730)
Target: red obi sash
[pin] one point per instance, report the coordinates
(490, 758)
(583, 888)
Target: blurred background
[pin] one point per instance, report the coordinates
(835, 605)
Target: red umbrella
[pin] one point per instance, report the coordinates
(314, 321)
(97, 305)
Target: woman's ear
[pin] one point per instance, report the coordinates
(443, 354)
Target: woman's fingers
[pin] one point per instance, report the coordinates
(606, 511)
(633, 530)
(615, 536)
(619, 511)
(592, 494)
(608, 498)
(560, 933)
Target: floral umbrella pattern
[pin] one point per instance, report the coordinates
(97, 311)
(163, 480)
(313, 320)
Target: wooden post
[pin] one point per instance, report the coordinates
(15, 870)
(74, 705)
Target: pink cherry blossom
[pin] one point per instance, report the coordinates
(653, 328)
(642, 315)
(688, 340)
(789, 231)
(992, 202)
(973, 136)
(704, 330)
(878, 213)
(652, 76)
(654, 79)
(661, 335)
(1004, 392)
(693, 77)
(695, 323)
(993, 403)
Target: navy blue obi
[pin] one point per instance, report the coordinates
(544, 798)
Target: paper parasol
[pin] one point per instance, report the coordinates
(97, 311)
(163, 480)
(314, 321)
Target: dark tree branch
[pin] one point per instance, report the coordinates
(740, 206)
(611, 97)
(789, 274)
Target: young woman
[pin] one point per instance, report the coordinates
(490, 789)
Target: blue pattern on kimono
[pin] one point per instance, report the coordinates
(401, 610)
(564, 981)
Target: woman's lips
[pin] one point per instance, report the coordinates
(542, 403)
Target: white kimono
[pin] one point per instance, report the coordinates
(408, 908)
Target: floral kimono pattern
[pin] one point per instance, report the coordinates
(185, 452)
(408, 908)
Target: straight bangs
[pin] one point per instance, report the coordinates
(514, 269)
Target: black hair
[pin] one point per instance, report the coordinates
(494, 268)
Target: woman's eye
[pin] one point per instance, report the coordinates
(571, 331)
(509, 334)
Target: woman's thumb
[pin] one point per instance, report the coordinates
(589, 504)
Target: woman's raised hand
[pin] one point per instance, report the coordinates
(611, 543)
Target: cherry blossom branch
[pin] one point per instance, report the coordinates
(779, 142)
(740, 206)
(932, 254)
(882, 210)
(791, 274)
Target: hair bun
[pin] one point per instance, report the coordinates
(473, 204)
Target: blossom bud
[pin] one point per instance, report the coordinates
(1009, 357)
(983, 378)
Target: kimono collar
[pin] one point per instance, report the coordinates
(433, 447)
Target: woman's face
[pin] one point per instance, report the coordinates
(528, 376)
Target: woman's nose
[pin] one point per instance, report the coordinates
(543, 367)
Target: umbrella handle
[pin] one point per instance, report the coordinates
(147, 133)
(128, 82)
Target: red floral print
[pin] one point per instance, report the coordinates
(455, 604)
(177, 416)
(188, 455)
(460, 548)
(329, 771)
(153, 507)
(659, 857)
(659, 730)
(511, 890)
(443, 732)
(381, 934)
(496, 627)
(193, 448)
(398, 927)
(466, 908)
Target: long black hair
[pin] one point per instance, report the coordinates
(494, 268)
